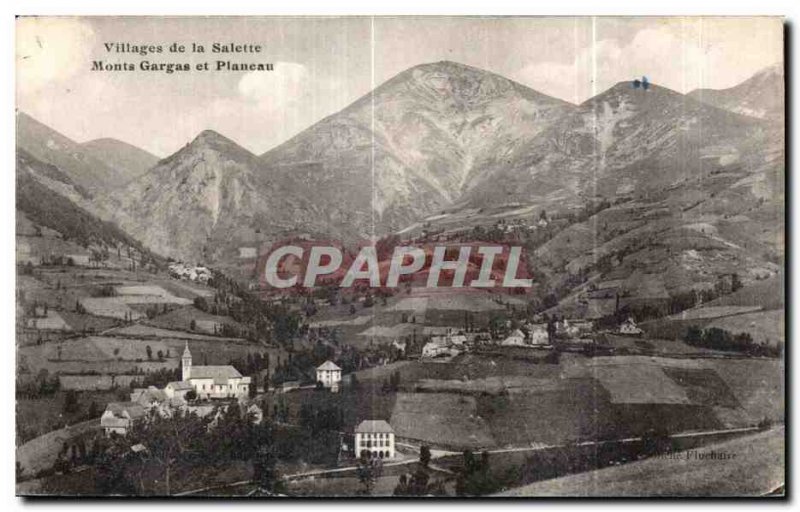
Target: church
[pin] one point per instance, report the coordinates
(221, 381)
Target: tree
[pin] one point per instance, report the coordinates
(201, 303)
(368, 471)
(736, 283)
(253, 389)
(149, 351)
(265, 474)
(693, 335)
(402, 488)
(418, 484)
(71, 404)
(193, 325)
(169, 439)
(425, 455)
(474, 478)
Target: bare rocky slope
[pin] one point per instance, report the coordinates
(760, 96)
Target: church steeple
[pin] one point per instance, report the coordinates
(186, 363)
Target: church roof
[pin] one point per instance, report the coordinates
(186, 352)
(214, 372)
(180, 384)
(370, 426)
(328, 365)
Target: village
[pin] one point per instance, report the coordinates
(348, 380)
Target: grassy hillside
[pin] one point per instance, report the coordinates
(45, 207)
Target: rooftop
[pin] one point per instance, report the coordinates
(370, 426)
(133, 409)
(180, 384)
(214, 372)
(328, 365)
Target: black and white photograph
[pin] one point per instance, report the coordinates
(400, 256)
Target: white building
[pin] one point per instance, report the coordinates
(178, 389)
(247, 252)
(400, 346)
(515, 339)
(629, 327)
(119, 417)
(538, 334)
(434, 349)
(374, 438)
(148, 397)
(223, 381)
(329, 375)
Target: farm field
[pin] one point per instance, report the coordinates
(764, 326)
(756, 467)
(514, 403)
(118, 354)
(38, 416)
(367, 402)
(52, 321)
(40, 453)
(713, 312)
(442, 419)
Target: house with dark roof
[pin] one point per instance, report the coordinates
(148, 397)
(374, 438)
(119, 417)
(216, 381)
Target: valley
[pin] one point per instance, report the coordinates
(653, 228)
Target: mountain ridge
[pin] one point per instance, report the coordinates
(442, 136)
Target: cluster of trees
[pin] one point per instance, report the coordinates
(160, 354)
(153, 311)
(318, 418)
(253, 365)
(42, 385)
(419, 482)
(392, 384)
(47, 208)
(475, 478)
(720, 339)
(301, 364)
(265, 321)
(676, 303)
(158, 378)
(162, 453)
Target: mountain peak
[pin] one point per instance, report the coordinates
(447, 65)
(218, 142)
(212, 136)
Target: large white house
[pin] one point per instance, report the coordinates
(329, 375)
(221, 381)
(538, 334)
(374, 438)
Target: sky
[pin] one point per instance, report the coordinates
(321, 65)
